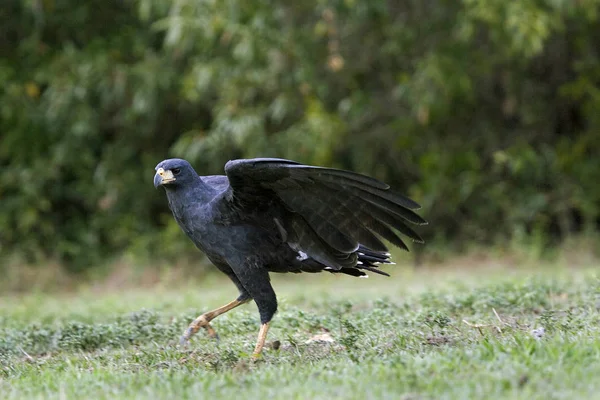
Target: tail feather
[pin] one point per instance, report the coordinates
(367, 260)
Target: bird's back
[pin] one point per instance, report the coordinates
(219, 183)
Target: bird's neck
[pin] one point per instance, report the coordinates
(181, 196)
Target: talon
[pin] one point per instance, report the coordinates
(185, 338)
(183, 341)
(210, 330)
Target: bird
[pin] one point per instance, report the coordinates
(269, 215)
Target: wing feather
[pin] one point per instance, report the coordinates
(331, 214)
(329, 226)
(304, 238)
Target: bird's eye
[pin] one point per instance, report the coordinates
(176, 171)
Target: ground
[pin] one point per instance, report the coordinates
(490, 332)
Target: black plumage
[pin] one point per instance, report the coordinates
(274, 215)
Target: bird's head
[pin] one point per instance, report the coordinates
(173, 172)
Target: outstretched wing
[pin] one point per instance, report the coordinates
(331, 211)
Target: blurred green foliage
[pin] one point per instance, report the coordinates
(485, 111)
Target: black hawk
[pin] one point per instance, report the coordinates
(274, 215)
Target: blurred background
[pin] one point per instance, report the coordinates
(487, 112)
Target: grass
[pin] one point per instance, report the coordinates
(455, 334)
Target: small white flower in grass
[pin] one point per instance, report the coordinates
(538, 333)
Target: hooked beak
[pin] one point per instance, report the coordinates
(163, 177)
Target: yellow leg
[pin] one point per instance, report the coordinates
(260, 343)
(203, 321)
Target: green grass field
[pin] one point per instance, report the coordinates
(453, 334)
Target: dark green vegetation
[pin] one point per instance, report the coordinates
(431, 335)
(485, 111)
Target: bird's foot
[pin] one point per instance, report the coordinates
(184, 339)
(202, 321)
